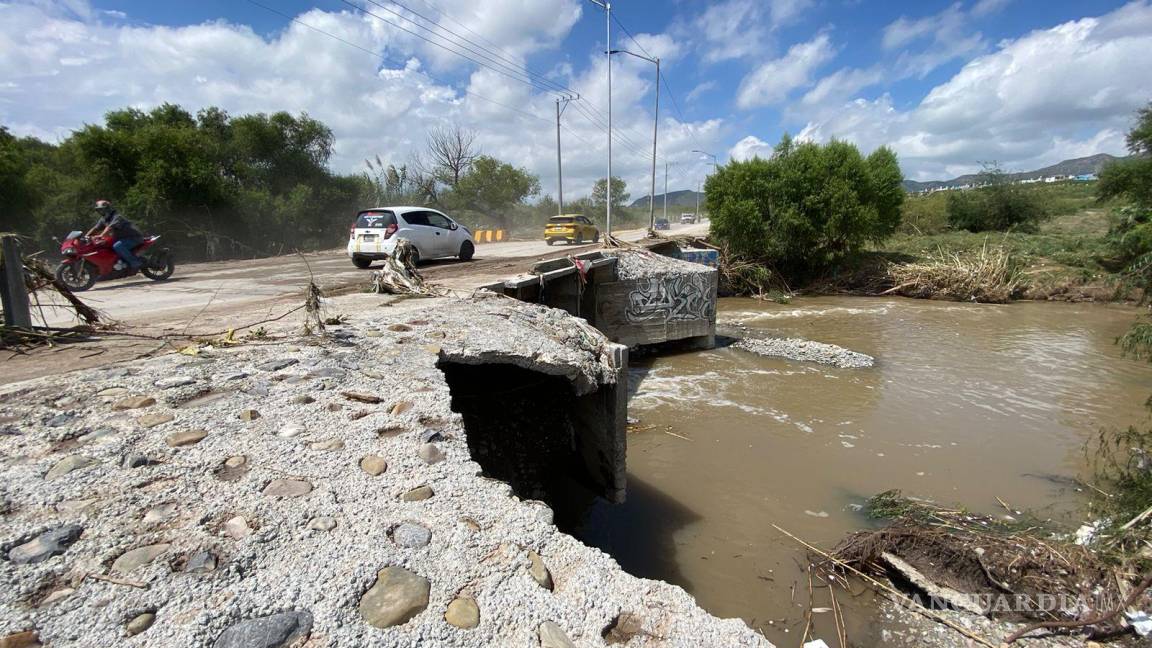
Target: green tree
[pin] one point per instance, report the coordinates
(620, 193)
(807, 205)
(493, 187)
(1131, 178)
(997, 205)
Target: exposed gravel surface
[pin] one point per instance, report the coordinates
(638, 264)
(806, 351)
(270, 527)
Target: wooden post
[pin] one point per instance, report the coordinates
(14, 292)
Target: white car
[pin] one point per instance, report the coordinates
(432, 233)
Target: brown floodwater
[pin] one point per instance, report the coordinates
(967, 403)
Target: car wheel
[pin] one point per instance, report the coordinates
(579, 239)
(466, 251)
(361, 262)
(596, 236)
(549, 242)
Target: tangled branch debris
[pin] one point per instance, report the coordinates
(399, 275)
(1009, 570)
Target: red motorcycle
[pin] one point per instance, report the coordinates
(88, 260)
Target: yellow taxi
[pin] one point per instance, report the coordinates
(572, 228)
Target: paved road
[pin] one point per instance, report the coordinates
(246, 287)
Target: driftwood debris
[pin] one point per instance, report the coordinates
(399, 275)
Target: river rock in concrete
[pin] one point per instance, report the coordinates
(397, 596)
(322, 523)
(623, 628)
(237, 528)
(25, 639)
(158, 514)
(302, 399)
(328, 445)
(50, 543)
(152, 420)
(190, 437)
(276, 364)
(412, 536)
(135, 402)
(418, 494)
(539, 570)
(273, 631)
(249, 415)
(138, 557)
(463, 613)
(373, 465)
(287, 488)
(551, 636)
(291, 430)
(174, 381)
(201, 562)
(67, 465)
(431, 453)
(139, 624)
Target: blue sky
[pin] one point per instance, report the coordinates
(946, 84)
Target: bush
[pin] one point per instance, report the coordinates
(998, 206)
(806, 206)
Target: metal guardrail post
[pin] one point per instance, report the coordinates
(13, 290)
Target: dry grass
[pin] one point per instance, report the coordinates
(989, 275)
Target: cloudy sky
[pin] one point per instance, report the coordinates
(946, 84)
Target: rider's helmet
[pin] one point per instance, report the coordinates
(103, 206)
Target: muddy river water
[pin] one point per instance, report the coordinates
(967, 403)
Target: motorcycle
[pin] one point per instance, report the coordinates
(88, 260)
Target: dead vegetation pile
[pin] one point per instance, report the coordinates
(991, 275)
(1002, 570)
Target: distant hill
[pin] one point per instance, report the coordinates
(1078, 166)
(684, 198)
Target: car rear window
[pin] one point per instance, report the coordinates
(375, 219)
(561, 219)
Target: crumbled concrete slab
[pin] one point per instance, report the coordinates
(640, 264)
(218, 560)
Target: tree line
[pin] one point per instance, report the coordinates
(222, 186)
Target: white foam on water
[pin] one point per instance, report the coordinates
(744, 317)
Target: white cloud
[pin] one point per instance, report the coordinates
(734, 29)
(842, 84)
(772, 82)
(65, 66)
(1049, 95)
(700, 89)
(943, 37)
(750, 147)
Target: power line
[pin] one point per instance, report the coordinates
(385, 59)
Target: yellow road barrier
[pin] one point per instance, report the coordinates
(488, 236)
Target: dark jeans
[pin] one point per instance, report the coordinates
(123, 248)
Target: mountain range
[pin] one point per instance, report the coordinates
(1073, 167)
(683, 198)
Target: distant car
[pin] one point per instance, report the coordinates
(663, 224)
(687, 219)
(572, 228)
(432, 233)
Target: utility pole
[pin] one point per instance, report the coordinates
(655, 130)
(608, 59)
(714, 165)
(559, 168)
(665, 191)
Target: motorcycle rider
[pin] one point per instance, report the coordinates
(125, 235)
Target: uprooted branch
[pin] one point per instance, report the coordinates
(399, 275)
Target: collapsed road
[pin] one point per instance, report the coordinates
(321, 491)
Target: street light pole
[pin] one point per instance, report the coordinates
(655, 132)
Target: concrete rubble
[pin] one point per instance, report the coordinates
(276, 495)
(806, 351)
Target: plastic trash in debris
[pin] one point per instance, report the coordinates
(1085, 534)
(1141, 622)
(819, 643)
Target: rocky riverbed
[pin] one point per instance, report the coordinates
(318, 492)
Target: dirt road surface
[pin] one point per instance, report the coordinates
(205, 299)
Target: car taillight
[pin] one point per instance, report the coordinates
(390, 231)
(352, 230)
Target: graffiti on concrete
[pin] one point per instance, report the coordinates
(670, 298)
